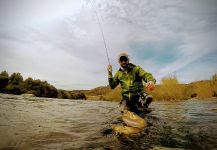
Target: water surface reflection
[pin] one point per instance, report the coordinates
(44, 123)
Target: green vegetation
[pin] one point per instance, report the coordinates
(4, 79)
(71, 95)
(15, 84)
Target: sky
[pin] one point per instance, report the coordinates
(60, 41)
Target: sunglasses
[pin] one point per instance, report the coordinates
(123, 58)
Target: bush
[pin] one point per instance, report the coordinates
(213, 84)
(71, 95)
(4, 79)
(170, 89)
(14, 84)
(203, 89)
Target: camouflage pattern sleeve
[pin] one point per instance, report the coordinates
(113, 81)
(146, 76)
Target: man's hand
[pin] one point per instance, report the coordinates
(109, 69)
(150, 85)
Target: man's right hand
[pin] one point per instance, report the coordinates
(150, 85)
(109, 69)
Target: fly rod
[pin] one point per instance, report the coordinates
(101, 29)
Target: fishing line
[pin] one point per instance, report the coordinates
(101, 29)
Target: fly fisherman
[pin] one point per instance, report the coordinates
(131, 77)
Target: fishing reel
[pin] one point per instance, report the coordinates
(145, 99)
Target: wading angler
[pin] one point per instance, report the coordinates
(131, 77)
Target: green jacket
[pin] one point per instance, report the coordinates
(131, 80)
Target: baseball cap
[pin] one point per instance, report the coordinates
(123, 56)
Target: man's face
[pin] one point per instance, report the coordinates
(124, 62)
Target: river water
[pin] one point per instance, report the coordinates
(45, 123)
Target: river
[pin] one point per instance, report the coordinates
(45, 123)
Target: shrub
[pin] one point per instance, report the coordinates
(213, 84)
(203, 89)
(4, 79)
(169, 89)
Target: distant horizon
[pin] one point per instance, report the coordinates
(61, 41)
(158, 83)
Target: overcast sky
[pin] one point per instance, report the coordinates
(60, 40)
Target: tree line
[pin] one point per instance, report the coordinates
(15, 84)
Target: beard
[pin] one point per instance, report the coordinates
(124, 65)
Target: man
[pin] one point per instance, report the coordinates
(131, 78)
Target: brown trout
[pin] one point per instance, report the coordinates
(134, 123)
(125, 130)
(133, 120)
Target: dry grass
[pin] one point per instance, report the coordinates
(114, 95)
(203, 89)
(171, 89)
(169, 92)
(168, 89)
(102, 90)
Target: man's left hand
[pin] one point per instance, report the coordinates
(150, 85)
